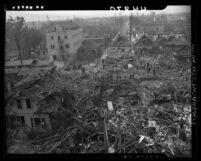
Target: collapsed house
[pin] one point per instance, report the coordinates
(21, 108)
(143, 43)
(26, 107)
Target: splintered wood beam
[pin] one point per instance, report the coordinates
(106, 134)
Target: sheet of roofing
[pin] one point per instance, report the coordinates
(28, 79)
(18, 62)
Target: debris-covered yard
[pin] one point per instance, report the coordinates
(126, 106)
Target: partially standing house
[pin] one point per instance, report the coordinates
(90, 50)
(23, 108)
(63, 41)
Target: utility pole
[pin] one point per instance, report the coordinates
(131, 30)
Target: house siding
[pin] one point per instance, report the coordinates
(29, 113)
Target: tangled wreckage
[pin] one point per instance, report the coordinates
(120, 108)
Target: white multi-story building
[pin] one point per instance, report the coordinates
(62, 42)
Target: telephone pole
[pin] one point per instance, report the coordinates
(131, 30)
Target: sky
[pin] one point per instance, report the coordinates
(69, 14)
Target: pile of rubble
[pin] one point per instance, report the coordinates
(123, 109)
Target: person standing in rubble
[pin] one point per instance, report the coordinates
(154, 70)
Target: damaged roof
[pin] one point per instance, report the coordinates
(36, 85)
(122, 42)
(90, 43)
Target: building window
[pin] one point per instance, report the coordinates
(52, 37)
(61, 47)
(43, 52)
(59, 38)
(28, 103)
(32, 122)
(65, 37)
(52, 46)
(19, 105)
(54, 57)
(37, 122)
(18, 118)
(67, 46)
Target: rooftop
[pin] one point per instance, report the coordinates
(90, 43)
(144, 41)
(69, 25)
(36, 84)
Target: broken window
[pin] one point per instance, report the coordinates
(19, 105)
(37, 122)
(28, 103)
(32, 122)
